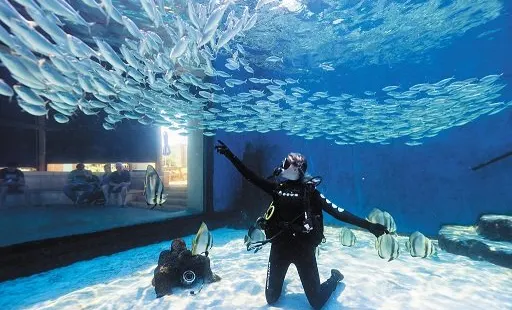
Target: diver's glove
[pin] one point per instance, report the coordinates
(377, 229)
(223, 149)
(276, 173)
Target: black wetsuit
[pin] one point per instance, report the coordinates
(294, 247)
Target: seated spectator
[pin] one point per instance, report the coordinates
(79, 179)
(96, 197)
(106, 175)
(119, 181)
(12, 180)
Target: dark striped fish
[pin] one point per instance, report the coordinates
(203, 241)
(153, 188)
(419, 245)
(254, 234)
(384, 218)
(387, 247)
(347, 237)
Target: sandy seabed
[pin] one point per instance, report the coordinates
(123, 280)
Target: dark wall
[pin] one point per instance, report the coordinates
(87, 141)
(17, 144)
(82, 139)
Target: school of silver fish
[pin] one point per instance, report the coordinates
(190, 69)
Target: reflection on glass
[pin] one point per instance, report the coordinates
(173, 157)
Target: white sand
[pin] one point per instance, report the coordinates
(123, 281)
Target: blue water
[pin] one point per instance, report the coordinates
(423, 186)
(408, 151)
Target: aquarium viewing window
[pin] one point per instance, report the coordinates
(173, 157)
(96, 167)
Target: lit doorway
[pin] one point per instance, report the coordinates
(173, 156)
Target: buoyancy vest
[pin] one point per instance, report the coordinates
(292, 216)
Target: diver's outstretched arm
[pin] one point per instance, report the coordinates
(248, 174)
(347, 217)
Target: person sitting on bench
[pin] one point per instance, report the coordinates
(118, 184)
(12, 180)
(79, 180)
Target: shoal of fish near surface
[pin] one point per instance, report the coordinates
(161, 74)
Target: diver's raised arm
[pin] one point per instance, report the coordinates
(248, 174)
(343, 215)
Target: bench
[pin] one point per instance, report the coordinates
(46, 188)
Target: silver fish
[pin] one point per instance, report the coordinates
(52, 75)
(108, 126)
(55, 32)
(60, 118)
(149, 8)
(62, 8)
(33, 109)
(179, 48)
(109, 54)
(33, 39)
(192, 16)
(213, 20)
(79, 48)
(112, 12)
(132, 27)
(5, 89)
(274, 59)
(251, 22)
(94, 4)
(28, 95)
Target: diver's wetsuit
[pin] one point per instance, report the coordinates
(295, 247)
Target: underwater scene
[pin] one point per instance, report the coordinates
(255, 154)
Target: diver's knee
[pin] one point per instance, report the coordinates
(272, 296)
(316, 303)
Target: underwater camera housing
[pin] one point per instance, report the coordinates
(188, 278)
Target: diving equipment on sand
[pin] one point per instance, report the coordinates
(188, 278)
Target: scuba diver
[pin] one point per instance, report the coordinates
(179, 267)
(293, 225)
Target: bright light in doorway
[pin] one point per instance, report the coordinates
(174, 136)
